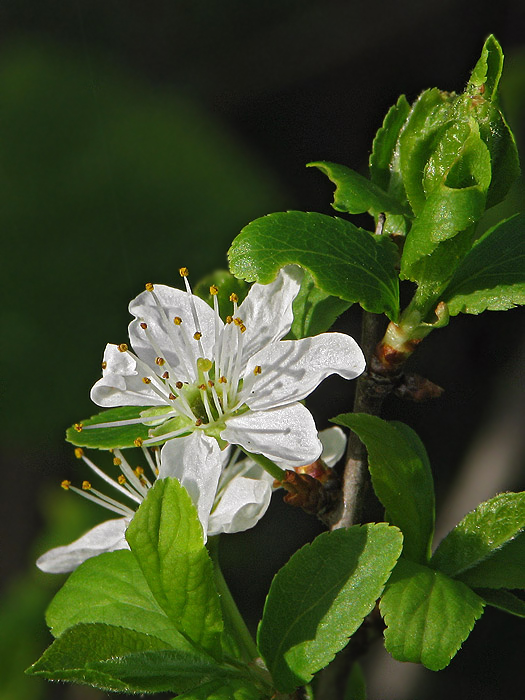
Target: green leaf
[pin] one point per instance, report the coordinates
(356, 684)
(503, 600)
(321, 596)
(109, 438)
(114, 658)
(111, 589)
(428, 615)
(344, 261)
(356, 194)
(227, 284)
(166, 537)
(384, 166)
(401, 478)
(487, 71)
(314, 311)
(492, 275)
(475, 550)
(221, 690)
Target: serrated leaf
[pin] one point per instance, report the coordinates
(227, 284)
(166, 538)
(109, 438)
(355, 194)
(492, 275)
(428, 615)
(114, 658)
(321, 596)
(473, 550)
(314, 311)
(401, 478)
(111, 589)
(503, 600)
(384, 170)
(344, 261)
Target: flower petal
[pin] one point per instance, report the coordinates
(334, 444)
(291, 369)
(106, 537)
(121, 383)
(196, 462)
(242, 503)
(286, 435)
(267, 310)
(163, 338)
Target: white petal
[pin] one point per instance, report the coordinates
(286, 435)
(165, 335)
(334, 445)
(291, 369)
(106, 537)
(267, 310)
(196, 462)
(243, 502)
(121, 383)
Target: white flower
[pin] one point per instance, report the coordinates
(236, 381)
(230, 496)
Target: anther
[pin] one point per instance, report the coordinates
(139, 471)
(86, 486)
(214, 290)
(104, 364)
(121, 479)
(78, 427)
(197, 336)
(223, 380)
(257, 370)
(123, 347)
(149, 287)
(143, 325)
(234, 297)
(159, 361)
(172, 396)
(177, 320)
(229, 319)
(146, 380)
(166, 375)
(179, 385)
(242, 328)
(202, 387)
(138, 442)
(184, 272)
(79, 452)
(238, 321)
(210, 383)
(66, 484)
(198, 422)
(117, 462)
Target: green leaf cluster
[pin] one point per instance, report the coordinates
(431, 602)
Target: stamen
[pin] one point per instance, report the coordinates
(197, 335)
(66, 484)
(149, 287)
(143, 325)
(160, 361)
(183, 271)
(214, 290)
(257, 370)
(104, 364)
(107, 478)
(138, 442)
(130, 421)
(146, 380)
(79, 452)
(140, 490)
(101, 500)
(151, 463)
(78, 427)
(123, 347)
(177, 320)
(167, 436)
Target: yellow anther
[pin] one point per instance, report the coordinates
(78, 427)
(143, 325)
(138, 442)
(117, 462)
(159, 361)
(172, 396)
(104, 364)
(121, 479)
(198, 422)
(238, 321)
(197, 336)
(210, 383)
(229, 319)
(179, 385)
(149, 287)
(146, 380)
(177, 320)
(184, 272)
(257, 370)
(65, 484)
(156, 471)
(223, 380)
(139, 471)
(79, 452)
(166, 375)
(123, 347)
(86, 486)
(242, 328)
(234, 297)
(214, 290)
(202, 387)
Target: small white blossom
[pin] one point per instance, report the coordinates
(237, 382)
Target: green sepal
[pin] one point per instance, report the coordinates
(109, 438)
(401, 477)
(492, 275)
(227, 285)
(320, 598)
(487, 548)
(344, 261)
(428, 615)
(355, 194)
(314, 311)
(166, 538)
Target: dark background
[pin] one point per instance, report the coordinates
(138, 137)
